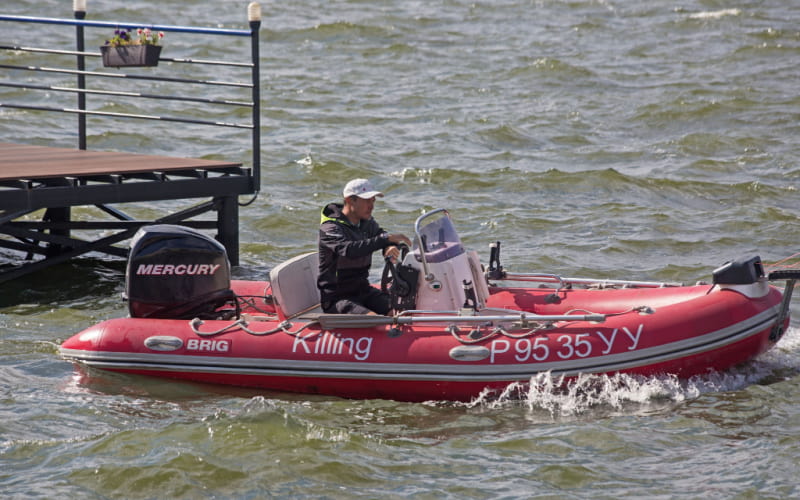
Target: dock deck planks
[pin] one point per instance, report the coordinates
(42, 177)
(22, 161)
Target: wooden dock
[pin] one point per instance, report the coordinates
(39, 185)
(33, 178)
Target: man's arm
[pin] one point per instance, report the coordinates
(392, 249)
(334, 237)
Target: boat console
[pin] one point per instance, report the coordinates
(447, 276)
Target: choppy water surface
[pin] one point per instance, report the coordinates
(644, 140)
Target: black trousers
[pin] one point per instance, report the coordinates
(370, 300)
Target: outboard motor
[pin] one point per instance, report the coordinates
(741, 271)
(176, 272)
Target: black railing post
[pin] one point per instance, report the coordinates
(79, 8)
(254, 16)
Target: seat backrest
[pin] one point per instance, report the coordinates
(294, 284)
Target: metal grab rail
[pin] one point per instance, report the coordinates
(334, 321)
(552, 278)
(95, 54)
(126, 115)
(79, 21)
(123, 93)
(45, 69)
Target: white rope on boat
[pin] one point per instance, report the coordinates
(474, 337)
(537, 329)
(243, 324)
(196, 323)
(498, 330)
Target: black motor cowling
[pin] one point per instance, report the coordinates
(176, 272)
(741, 271)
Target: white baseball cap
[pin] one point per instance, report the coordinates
(361, 188)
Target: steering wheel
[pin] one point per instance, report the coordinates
(389, 278)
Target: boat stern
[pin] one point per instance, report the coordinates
(82, 344)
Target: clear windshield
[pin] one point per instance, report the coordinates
(437, 237)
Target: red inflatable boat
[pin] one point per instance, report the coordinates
(458, 329)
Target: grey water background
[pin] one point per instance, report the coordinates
(646, 140)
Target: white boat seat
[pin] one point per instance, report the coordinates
(294, 285)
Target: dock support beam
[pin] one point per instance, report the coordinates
(228, 226)
(57, 216)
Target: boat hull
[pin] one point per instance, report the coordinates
(683, 331)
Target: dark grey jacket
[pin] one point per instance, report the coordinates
(345, 253)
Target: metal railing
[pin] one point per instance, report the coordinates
(81, 74)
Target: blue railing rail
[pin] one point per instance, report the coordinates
(81, 74)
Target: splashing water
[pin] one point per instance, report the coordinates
(571, 397)
(717, 14)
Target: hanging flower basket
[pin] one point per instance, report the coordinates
(128, 49)
(130, 55)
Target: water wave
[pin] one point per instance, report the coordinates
(622, 394)
(716, 14)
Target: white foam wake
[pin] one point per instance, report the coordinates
(715, 14)
(639, 394)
